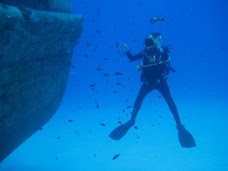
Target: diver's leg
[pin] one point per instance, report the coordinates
(145, 89)
(164, 90)
(184, 136)
(120, 131)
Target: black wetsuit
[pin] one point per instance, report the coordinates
(156, 66)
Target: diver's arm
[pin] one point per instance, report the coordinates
(134, 57)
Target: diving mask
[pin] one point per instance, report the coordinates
(153, 40)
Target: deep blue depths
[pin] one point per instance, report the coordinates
(197, 31)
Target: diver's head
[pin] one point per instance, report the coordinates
(153, 41)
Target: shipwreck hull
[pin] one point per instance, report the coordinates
(36, 49)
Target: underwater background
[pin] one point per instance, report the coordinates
(96, 98)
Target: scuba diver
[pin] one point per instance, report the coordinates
(154, 71)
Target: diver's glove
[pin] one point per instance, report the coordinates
(124, 47)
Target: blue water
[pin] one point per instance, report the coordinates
(197, 31)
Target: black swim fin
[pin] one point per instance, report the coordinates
(121, 130)
(185, 137)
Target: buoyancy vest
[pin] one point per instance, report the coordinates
(155, 66)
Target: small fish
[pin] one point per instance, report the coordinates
(76, 132)
(58, 137)
(119, 122)
(70, 120)
(92, 85)
(106, 75)
(98, 12)
(123, 111)
(41, 129)
(98, 31)
(115, 156)
(99, 69)
(106, 59)
(118, 73)
(136, 127)
(97, 105)
(102, 124)
(118, 83)
(115, 91)
(129, 107)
